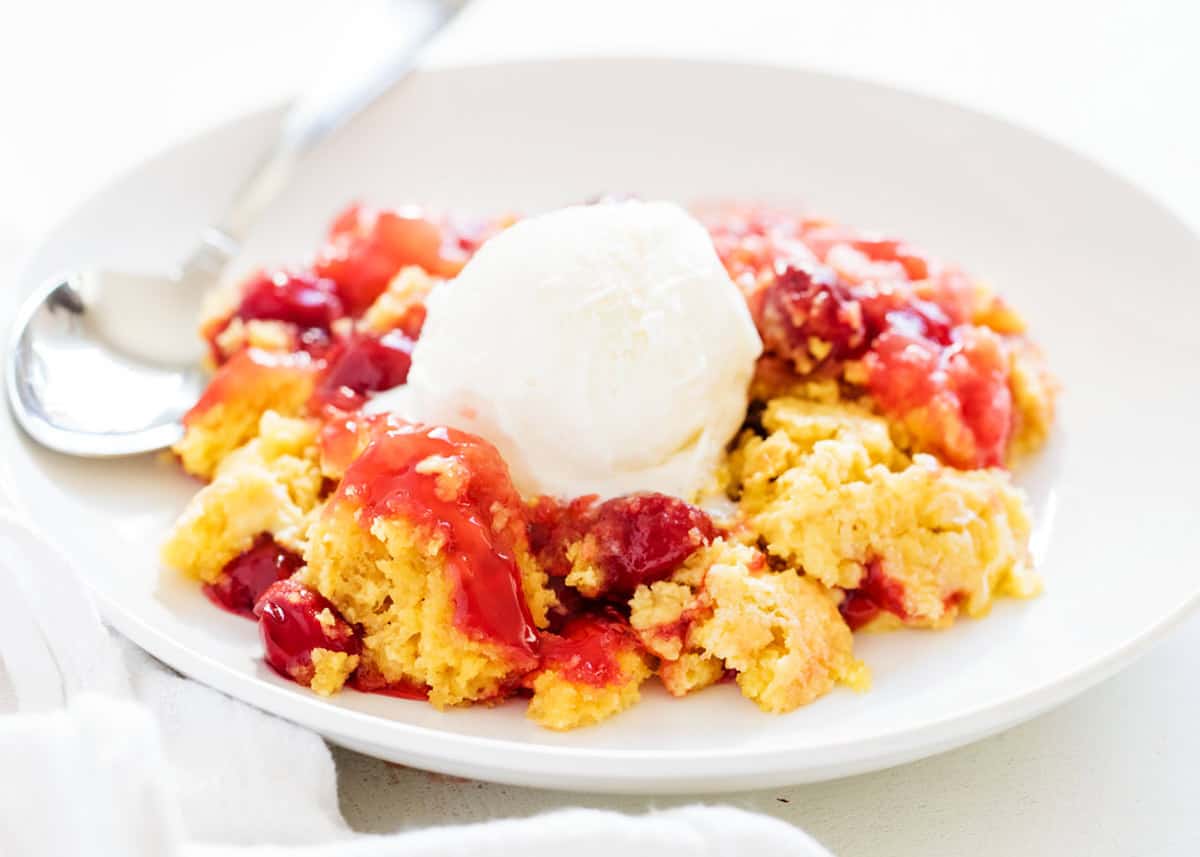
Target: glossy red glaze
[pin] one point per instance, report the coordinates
(246, 369)
(480, 546)
(246, 577)
(961, 389)
(308, 303)
(340, 441)
(369, 246)
(288, 622)
(586, 651)
(361, 364)
(296, 297)
(875, 592)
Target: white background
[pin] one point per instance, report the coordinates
(89, 88)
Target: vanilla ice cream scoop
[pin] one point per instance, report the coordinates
(603, 349)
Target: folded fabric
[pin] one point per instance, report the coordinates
(108, 752)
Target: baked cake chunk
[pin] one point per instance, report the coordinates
(778, 632)
(589, 672)
(270, 486)
(825, 489)
(227, 415)
(424, 546)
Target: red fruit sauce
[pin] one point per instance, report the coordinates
(366, 680)
(299, 298)
(903, 313)
(875, 592)
(383, 480)
(554, 526)
(587, 648)
(244, 578)
(361, 364)
(368, 246)
(810, 303)
(287, 620)
(962, 388)
(246, 370)
(637, 538)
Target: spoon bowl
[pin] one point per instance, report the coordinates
(105, 363)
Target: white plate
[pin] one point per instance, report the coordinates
(1105, 275)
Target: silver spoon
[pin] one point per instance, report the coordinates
(105, 363)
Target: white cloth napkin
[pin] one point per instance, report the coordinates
(103, 751)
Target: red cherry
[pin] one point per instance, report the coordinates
(638, 538)
(364, 363)
(247, 576)
(302, 299)
(293, 620)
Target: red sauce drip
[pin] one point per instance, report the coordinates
(361, 364)
(481, 545)
(244, 578)
(875, 592)
(368, 246)
(366, 680)
(586, 651)
(290, 628)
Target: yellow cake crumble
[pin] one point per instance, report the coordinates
(559, 703)
(828, 491)
(244, 389)
(780, 632)
(331, 670)
(402, 304)
(270, 485)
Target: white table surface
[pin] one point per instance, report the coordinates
(89, 88)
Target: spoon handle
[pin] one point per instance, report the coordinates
(378, 48)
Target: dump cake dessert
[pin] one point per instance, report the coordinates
(553, 458)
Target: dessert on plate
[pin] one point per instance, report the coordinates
(554, 458)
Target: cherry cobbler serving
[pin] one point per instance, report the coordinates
(473, 460)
